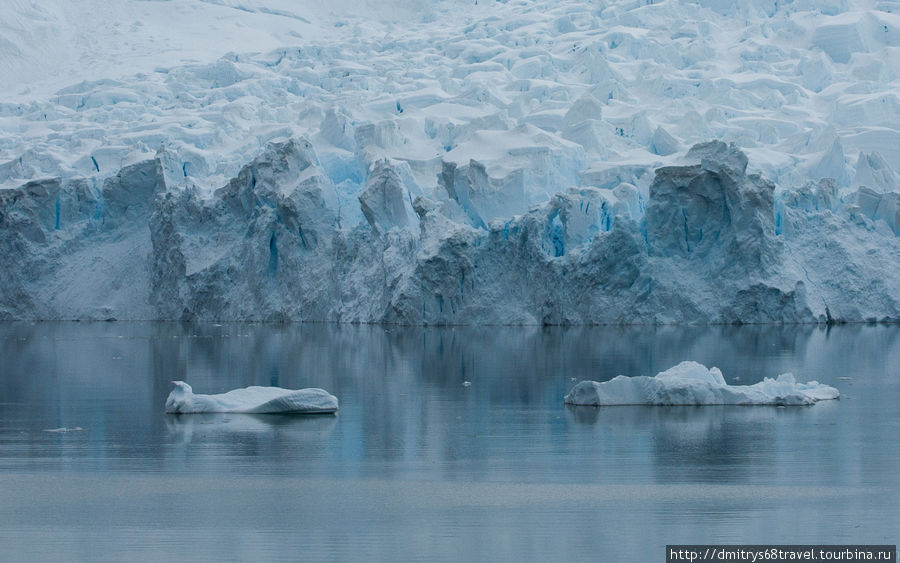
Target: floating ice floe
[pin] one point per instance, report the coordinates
(690, 383)
(64, 430)
(253, 400)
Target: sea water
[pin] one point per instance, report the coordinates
(450, 443)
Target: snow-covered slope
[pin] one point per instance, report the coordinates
(450, 162)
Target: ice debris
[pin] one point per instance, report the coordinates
(252, 400)
(691, 383)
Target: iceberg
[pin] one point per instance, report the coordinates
(251, 400)
(691, 383)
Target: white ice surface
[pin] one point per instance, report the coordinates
(587, 86)
(251, 400)
(690, 383)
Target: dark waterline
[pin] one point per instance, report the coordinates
(416, 465)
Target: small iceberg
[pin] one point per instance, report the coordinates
(252, 400)
(64, 430)
(690, 383)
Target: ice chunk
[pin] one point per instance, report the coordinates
(612, 176)
(874, 172)
(814, 72)
(253, 400)
(717, 156)
(482, 197)
(337, 129)
(812, 196)
(832, 164)
(585, 108)
(663, 143)
(385, 202)
(839, 40)
(883, 206)
(691, 383)
(383, 134)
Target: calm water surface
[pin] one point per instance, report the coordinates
(416, 465)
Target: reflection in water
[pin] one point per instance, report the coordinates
(497, 469)
(230, 426)
(277, 438)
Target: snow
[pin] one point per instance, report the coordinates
(691, 383)
(448, 161)
(251, 400)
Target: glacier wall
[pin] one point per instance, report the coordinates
(711, 243)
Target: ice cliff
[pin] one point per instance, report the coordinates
(710, 244)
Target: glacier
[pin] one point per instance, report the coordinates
(710, 244)
(452, 163)
(691, 383)
(251, 400)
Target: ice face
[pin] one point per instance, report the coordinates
(710, 244)
(495, 163)
(690, 383)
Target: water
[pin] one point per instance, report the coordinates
(416, 465)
